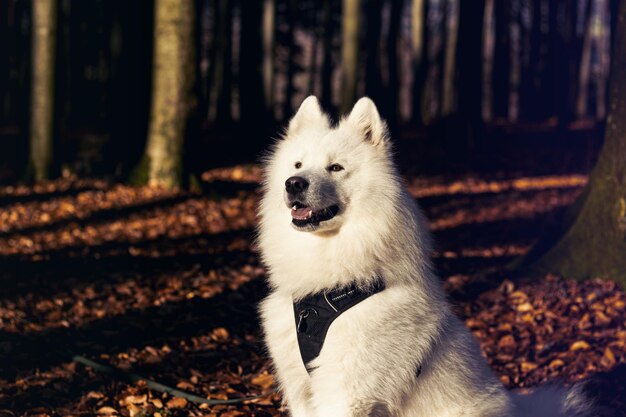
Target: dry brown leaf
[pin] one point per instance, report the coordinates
(528, 366)
(107, 411)
(135, 399)
(185, 385)
(579, 345)
(265, 380)
(556, 363)
(608, 359)
(177, 402)
(506, 341)
(220, 334)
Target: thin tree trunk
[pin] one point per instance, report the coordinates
(172, 79)
(221, 88)
(487, 57)
(501, 60)
(451, 27)
(290, 88)
(601, 76)
(393, 85)
(327, 58)
(42, 89)
(349, 53)
(514, 60)
(417, 28)
(593, 243)
(373, 76)
(269, 15)
(582, 99)
(420, 69)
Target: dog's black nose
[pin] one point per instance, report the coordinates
(295, 185)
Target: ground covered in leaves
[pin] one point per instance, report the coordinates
(164, 285)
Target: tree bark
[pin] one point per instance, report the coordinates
(584, 71)
(290, 87)
(420, 45)
(327, 57)
(42, 89)
(172, 81)
(349, 53)
(221, 85)
(269, 15)
(373, 78)
(594, 241)
(451, 28)
(393, 84)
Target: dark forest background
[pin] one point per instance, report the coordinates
(449, 73)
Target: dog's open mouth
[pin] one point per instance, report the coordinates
(302, 215)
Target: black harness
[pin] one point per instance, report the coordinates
(315, 313)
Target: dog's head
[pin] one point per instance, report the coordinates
(327, 175)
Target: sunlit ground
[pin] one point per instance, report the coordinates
(165, 284)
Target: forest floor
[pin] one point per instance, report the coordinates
(165, 285)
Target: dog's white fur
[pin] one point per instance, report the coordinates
(367, 366)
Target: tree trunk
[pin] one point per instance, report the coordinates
(172, 80)
(42, 89)
(487, 57)
(373, 78)
(269, 15)
(584, 71)
(417, 28)
(290, 87)
(327, 58)
(349, 53)
(451, 28)
(393, 82)
(221, 85)
(501, 60)
(594, 243)
(420, 45)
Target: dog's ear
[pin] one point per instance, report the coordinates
(365, 118)
(308, 116)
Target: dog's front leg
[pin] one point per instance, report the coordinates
(338, 403)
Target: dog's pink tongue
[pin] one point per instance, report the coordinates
(301, 213)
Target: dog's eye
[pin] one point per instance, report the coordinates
(335, 168)
(298, 165)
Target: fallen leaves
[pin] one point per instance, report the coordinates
(166, 284)
(177, 402)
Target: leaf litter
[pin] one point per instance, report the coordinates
(165, 285)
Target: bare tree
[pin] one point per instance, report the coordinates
(593, 243)
(173, 73)
(42, 87)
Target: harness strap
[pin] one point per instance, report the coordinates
(316, 312)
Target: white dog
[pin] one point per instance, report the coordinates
(357, 323)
